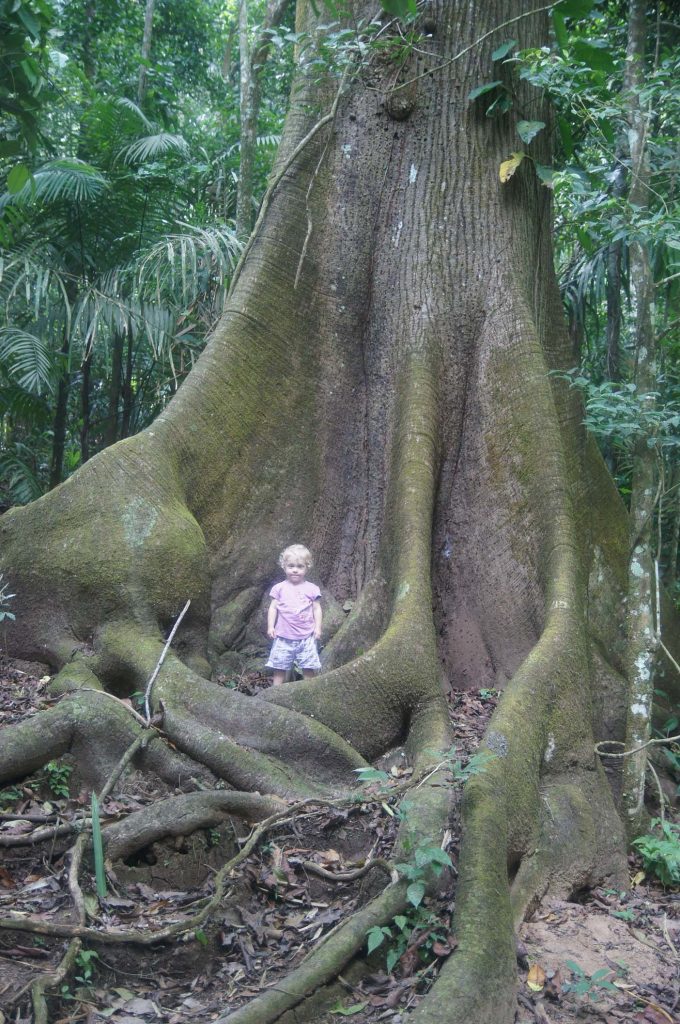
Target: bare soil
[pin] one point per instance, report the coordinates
(612, 957)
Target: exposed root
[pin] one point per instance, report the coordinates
(324, 963)
(47, 981)
(182, 815)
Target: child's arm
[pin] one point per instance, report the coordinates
(318, 615)
(271, 620)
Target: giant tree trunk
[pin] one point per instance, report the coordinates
(378, 389)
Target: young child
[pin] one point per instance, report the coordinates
(294, 617)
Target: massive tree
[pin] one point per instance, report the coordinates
(379, 388)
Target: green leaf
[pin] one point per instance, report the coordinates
(415, 893)
(528, 130)
(30, 22)
(400, 8)
(10, 147)
(376, 937)
(17, 178)
(500, 105)
(575, 8)
(201, 937)
(595, 54)
(566, 136)
(391, 959)
(504, 49)
(561, 34)
(482, 89)
(348, 1011)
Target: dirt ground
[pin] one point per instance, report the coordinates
(612, 957)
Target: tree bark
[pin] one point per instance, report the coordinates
(642, 626)
(85, 407)
(146, 50)
(60, 415)
(115, 385)
(379, 388)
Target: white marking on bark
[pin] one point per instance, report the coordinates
(139, 519)
(636, 569)
(403, 591)
(639, 709)
(347, 151)
(550, 749)
(443, 188)
(559, 603)
(413, 174)
(398, 234)
(642, 666)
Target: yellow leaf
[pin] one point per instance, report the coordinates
(636, 879)
(536, 978)
(508, 167)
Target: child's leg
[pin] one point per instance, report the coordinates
(280, 659)
(308, 658)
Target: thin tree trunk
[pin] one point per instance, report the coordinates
(248, 115)
(614, 258)
(128, 394)
(111, 432)
(251, 61)
(60, 417)
(85, 407)
(146, 50)
(642, 636)
(672, 567)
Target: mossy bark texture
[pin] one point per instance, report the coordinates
(379, 388)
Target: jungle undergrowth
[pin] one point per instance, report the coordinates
(277, 900)
(276, 908)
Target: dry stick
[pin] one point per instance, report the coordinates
(349, 876)
(147, 695)
(40, 834)
(648, 764)
(667, 937)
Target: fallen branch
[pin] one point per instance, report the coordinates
(149, 685)
(350, 876)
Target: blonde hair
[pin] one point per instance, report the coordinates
(296, 551)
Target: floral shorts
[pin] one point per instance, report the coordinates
(303, 652)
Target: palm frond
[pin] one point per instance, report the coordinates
(23, 406)
(18, 476)
(192, 261)
(28, 359)
(127, 104)
(151, 147)
(36, 282)
(71, 180)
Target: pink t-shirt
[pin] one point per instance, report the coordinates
(294, 601)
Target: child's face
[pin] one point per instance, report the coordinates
(295, 570)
